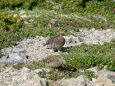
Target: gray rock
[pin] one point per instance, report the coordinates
(38, 70)
(23, 77)
(80, 81)
(99, 84)
(55, 22)
(18, 50)
(57, 6)
(98, 36)
(43, 82)
(71, 41)
(106, 77)
(70, 31)
(32, 57)
(80, 39)
(14, 58)
(24, 69)
(112, 78)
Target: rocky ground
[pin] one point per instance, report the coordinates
(32, 49)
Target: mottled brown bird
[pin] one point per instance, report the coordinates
(54, 61)
(55, 42)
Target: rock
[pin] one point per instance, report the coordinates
(70, 31)
(80, 39)
(22, 12)
(57, 6)
(80, 81)
(93, 36)
(99, 84)
(94, 69)
(47, 70)
(112, 78)
(54, 22)
(32, 58)
(106, 77)
(38, 70)
(24, 69)
(71, 41)
(23, 77)
(18, 50)
(44, 82)
(13, 58)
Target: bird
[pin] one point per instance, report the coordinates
(54, 61)
(56, 42)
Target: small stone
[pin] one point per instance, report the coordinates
(24, 16)
(99, 84)
(55, 22)
(46, 70)
(70, 31)
(80, 39)
(57, 6)
(25, 22)
(22, 11)
(94, 69)
(32, 57)
(38, 70)
(24, 69)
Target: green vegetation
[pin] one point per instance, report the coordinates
(17, 66)
(81, 58)
(32, 65)
(10, 21)
(11, 25)
(12, 4)
(78, 60)
(1, 54)
(12, 28)
(35, 64)
(85, 56)
(72, 15)
(103, 7)
(55, 74)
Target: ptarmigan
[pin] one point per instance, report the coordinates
(56, 42)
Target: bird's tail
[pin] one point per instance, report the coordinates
(44, 44)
